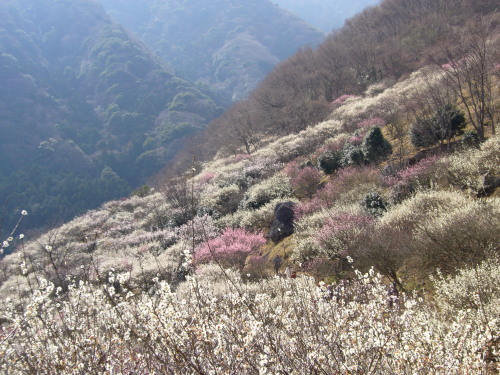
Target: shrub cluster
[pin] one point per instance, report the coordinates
(444, 125)
(88, 318)
(231, 247)
(265, 191)
(304, 180)
(371, 149)
(216, 323)
(475, 170)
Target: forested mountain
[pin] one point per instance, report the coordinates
(230, 45)
(86, 110)
(326, 15)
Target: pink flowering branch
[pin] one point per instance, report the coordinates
(344, 98)
(370, 122)
(231, 247)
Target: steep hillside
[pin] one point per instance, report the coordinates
(229, 45)
(367, 242)
(79, 95)
(153, 268)
(326, 15)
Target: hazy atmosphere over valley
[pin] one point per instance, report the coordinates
(249, 187)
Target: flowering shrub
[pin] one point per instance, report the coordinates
(419, 172)
(392, 100)
(340, 233)
(304, 181)
(334, 144)
(421, 208)
(460, 235)
(239, 157)
(262, 167)
(298, 145)
(311, 241)
(348, 186)
(379, 86)
(274, 187)
(305, 208)
(371, 122)
(473, 169)
(225, 199)
(343, 98)
(385, 248)
(136, 239)
(207, 177)
(475, 288)
(230, 248)
(356, 139)
(198, 230)
(280, 325)
(422, 174)
(305, 228)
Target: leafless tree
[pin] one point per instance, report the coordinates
(471, 55)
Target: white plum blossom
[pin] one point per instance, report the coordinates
(274, 325)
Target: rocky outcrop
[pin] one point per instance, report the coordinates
(282, 225)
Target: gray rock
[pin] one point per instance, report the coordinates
(282, 225)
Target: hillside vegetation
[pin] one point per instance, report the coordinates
(393, 190)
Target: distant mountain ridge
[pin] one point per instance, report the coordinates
(230, 45)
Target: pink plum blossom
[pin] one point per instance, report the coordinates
(232, 247)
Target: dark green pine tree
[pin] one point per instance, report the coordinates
(375, 147)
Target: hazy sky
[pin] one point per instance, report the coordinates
(325, 15)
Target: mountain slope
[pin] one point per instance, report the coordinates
(393, 242)
(79, 94)
(230, 45)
